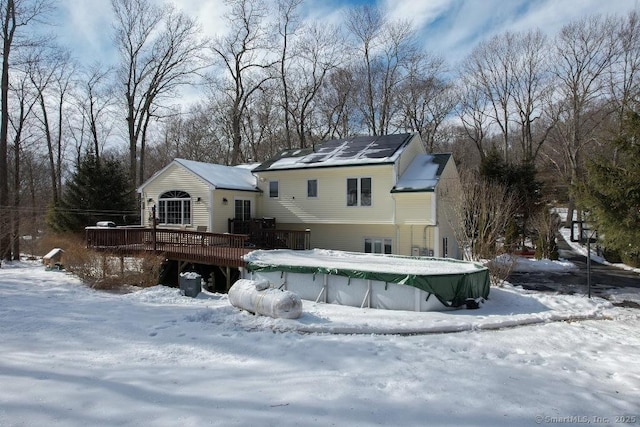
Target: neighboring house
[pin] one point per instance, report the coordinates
(199, 196)
(379, 194)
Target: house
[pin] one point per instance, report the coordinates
(199, 196)
(378, 194)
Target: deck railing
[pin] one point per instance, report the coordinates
(224, 248)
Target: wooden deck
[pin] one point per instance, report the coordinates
(224, 250)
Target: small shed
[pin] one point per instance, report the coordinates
(53, 258)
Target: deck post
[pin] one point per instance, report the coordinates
(153, 230)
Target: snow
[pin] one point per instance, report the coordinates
(73, 356)
(377, 263)
(422, 174)
(595, 257)
(348, 152)
(221, 176)
(526, 265)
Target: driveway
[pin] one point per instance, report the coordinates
(604, 278)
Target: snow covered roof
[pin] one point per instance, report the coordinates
(422, 174)
(361, 150)
(221, 176)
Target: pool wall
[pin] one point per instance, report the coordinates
(355, 292)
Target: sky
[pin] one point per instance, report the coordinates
(449, 28)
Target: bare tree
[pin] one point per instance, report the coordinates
(387, 50)
(24, 101)
(15, 16)
(244, 55)
(624, 74)
(336, 104)
(426, 98)
(160, 51)
(531, 90)
(95, 100)
(472, 113)
(50, 72)
(317, 51)
(287, 25)
(365, 24)
(489, 69)
(480, 210)
(584, 50)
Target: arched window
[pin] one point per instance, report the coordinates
(174, 207)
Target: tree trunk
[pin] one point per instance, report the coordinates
(8, 28)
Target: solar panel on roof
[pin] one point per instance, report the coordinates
(353, 149)
(344, 150)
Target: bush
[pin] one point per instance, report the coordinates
(500, 268)
(103, 270)
(632, 260)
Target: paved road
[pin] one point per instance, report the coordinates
(603, 277)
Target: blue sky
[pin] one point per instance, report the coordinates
(447, 27)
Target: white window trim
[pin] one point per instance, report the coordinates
(182, 200)
(269, 189)
(243, 199)
(359, 192)
(382, 241)
(317, 188)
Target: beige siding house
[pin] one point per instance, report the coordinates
(380, 194)
(198, 196)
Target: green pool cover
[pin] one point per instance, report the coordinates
(452, 281)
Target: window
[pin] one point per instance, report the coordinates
(174, 207)
(243, 209)
(273, 189)
(358, 192)
(365, 191)
(376, 245)
(312, 188)
(352, 192)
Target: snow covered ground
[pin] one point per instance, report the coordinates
(72, 356)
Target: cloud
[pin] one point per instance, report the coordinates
(420, 14)
(208, 13)
(460, 25)
(86, 27)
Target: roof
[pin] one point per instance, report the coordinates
(218, 176)
(361, 150)
(221, 176)
(422, 174)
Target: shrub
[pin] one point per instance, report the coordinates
(103, 270)
(500, 268)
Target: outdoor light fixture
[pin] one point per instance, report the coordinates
(199, 199)
(149, 200)
(224, 201)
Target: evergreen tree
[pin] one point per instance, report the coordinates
(98, 191)
(611, 193)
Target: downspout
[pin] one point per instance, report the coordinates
(210, 207)
(436, 229)
(143, 208)
(397, 227)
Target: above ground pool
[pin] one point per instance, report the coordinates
(391, 282)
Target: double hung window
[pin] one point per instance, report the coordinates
(358, 191)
